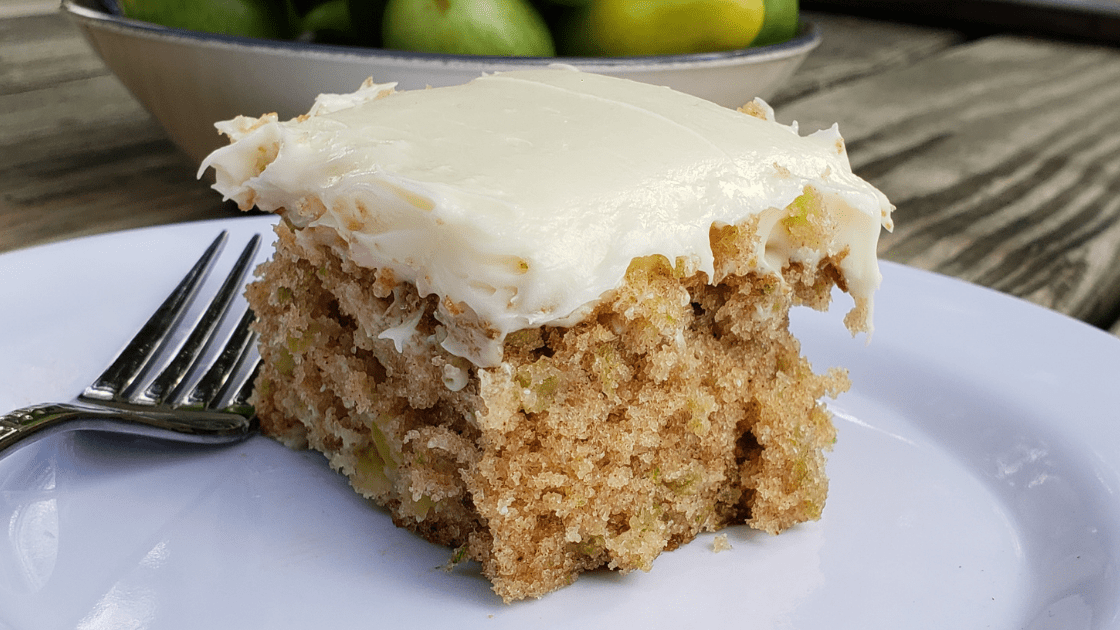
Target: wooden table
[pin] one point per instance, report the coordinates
(1002, 153)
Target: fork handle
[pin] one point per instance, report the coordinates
(23, 426)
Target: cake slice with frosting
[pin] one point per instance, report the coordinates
(542, 317)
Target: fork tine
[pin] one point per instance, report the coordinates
(172, 375)
(136, 355)
(237, 348)
(241, 397)
(234, 397)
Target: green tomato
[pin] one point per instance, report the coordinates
(250, 18)
(781, 23)
(328, 22)
(466, 27)
(623, 28)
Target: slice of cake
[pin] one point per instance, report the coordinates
(542, 317)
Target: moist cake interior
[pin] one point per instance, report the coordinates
(678, 406)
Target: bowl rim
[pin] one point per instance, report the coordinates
(90, 14)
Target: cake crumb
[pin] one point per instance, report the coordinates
(719, 543)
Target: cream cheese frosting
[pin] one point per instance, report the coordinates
(521, 198)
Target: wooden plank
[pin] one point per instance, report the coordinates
(83, 158)
(65, 111)
(1084, 20)
(852, 48)
(22, 8)
(1003, 157)
(78, 154)
(43, 50)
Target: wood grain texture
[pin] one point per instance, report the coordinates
(40, 51)
(22, 8)
(78, 154)
(83, 158)
(1003, 157)
(852, 48)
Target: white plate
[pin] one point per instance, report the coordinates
(973, 486)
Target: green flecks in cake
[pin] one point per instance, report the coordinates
(525, 340)
(765, 287)
(682, 268)
(702, 515)
(820, 419)
(799, 210)
(649, 266)
(813, 510)
(539, 381)
(283, 295)
(298, 344)
(458, 556)
(648, 519)
(375, 464)
(577, 500)
(609, 368)
(285, 363)
(419, 506)
(685, 484)
(591, 546)
(382, 445)
(642, 542)
(653, 302)
(545, 391)
(799, 472)
(369, 472)
(700, 407)
(805, 215)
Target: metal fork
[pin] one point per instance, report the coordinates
(190, 399)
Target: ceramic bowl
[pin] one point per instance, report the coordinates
(188, 80)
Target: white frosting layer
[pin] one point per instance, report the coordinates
(521, 198)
